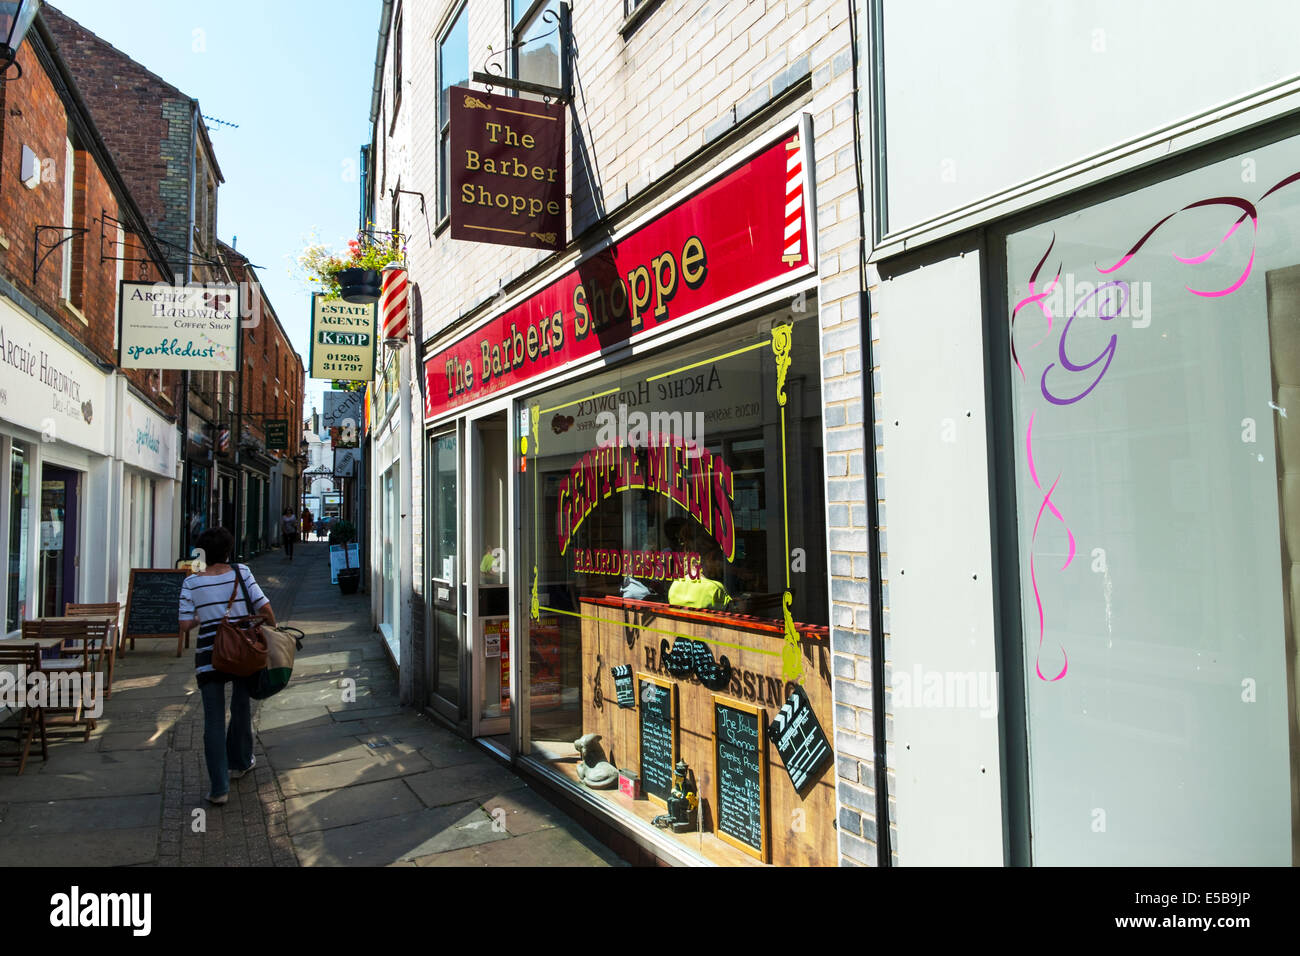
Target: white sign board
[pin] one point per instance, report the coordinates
(146, 439)
(336, 560)
(180, 327)
(49, 388)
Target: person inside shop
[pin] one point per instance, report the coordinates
(289, 532)
(306, 523)
(707, 590)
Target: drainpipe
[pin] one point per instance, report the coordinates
(884, 857)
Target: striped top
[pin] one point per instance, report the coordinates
(204, 596)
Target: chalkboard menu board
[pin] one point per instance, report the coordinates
(740, 776)
(623, 686)
(153, 604)
(800, 740)
(658, 734)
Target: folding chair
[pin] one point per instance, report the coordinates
(103, 636)
(30, 719)
(74, 640)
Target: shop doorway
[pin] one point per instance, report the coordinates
(446, 587)
(59, 556)
(489, 566)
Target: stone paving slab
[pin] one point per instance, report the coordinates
(349, 805)
(80, 848)
(404, 837)
(95, 813)
(349, 773)
(541, 848)
(478, 781)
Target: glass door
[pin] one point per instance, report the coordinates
(446, 598)
(489, 519)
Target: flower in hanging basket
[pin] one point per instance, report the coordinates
(354, 275)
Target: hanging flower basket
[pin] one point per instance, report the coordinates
(353, 276)
(358, 286)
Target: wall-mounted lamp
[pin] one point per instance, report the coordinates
(16, 18)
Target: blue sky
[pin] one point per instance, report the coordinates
(295, 75)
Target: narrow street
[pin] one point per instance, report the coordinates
(338, 781)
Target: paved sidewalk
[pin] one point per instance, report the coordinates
(345, 775)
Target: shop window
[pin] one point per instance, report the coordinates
(1155, 372)
(673, 515)
(453, 70)
(69, 191)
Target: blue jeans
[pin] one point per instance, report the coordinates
(225, 748)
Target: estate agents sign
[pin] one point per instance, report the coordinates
(507, 170)
(342, 340)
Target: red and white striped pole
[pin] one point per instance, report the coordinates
(394, 308)
(793, 202)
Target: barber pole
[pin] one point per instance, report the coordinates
(394, 309)
(793, 200)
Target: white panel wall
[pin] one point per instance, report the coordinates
(983, 96)
(944, 749)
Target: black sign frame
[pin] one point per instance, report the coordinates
(763, 851)
(648, 787)
(277, 434)
(130, 627)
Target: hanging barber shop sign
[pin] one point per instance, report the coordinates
(507, 170)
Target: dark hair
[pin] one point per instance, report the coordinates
(217, 543)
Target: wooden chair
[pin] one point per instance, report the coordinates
(74, 640)
(104, 638)
(30, 719)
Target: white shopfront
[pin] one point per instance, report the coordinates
(56, 476)
(148, 503)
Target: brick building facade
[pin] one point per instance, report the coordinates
(88, 449)
(169, 160)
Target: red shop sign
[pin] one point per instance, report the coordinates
(744, 230)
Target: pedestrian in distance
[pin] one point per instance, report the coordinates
(289, 531)
(306, 523)
(205, 596)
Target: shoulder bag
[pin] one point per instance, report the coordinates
(240, 646)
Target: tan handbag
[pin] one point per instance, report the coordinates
(240, 647)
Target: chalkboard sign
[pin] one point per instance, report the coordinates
(623, 686)
(799, 740)
(740, 776)
(658, 735)
(153, 604)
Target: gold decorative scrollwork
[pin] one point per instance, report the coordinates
(536, 412)
(546, 237)
(781, 340)
(534, 610)
(474, 103)
(791, 655)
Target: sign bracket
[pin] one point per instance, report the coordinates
(495, 73)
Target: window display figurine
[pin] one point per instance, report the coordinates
(593, 769)
(683, 802)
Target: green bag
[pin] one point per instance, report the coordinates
(282, 644)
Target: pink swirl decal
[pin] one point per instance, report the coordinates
(1046, 505)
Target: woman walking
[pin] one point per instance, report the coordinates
(205, 597)
(306, 523)
(289, 531)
